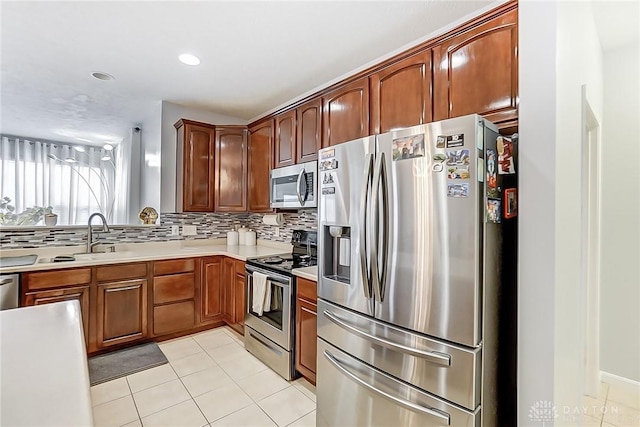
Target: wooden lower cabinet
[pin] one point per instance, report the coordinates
(306, 328)
(126, 303)
(234, 293)
(211, 292)
(239, 285)
(228, 294)
(176, 317)
(121, 312)
(67, 294)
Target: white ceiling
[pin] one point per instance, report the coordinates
(617, 22)
(255, 56)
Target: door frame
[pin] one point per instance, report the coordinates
(590, 245)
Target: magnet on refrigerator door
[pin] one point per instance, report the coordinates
(458, 190)
(510, 203)
(493, 211)
(492, 180)
(506, 165)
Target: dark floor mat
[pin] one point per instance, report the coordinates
(106, 367)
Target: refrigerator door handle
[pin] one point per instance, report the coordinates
(442, 416)
(366, 276)
(433, 356)
(301, 198)
(380, 186)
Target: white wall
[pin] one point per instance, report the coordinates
(559, 52)
(579, 62)
(536, 193)
(151, 138)
(171, 113)
(620, 292)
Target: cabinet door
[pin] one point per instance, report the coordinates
(260, 163)
(306, 338)
(240, 298)
(477, 71)
(308, 140)
(228, 291)
(231, 169)
(346, 113)
(211, 291)
(79, 293)
(285, 142)
(195, 158)
(401, 94)
(121, 312)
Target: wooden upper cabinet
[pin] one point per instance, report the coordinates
(231, 169)
(345, 113)
(477, 71)
(260, 162)
(285, 142)
(308, 139)
(401, 94)
(195, 166)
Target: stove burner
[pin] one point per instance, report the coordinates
(272, 260)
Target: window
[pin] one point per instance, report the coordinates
(74, 180)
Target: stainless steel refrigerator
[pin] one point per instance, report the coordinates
(417, 292)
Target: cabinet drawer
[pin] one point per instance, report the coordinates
(57, 278)
(239, 266)
(112, 273)
(173, 266)
(173, 317)
(175, 287)
(307, 289)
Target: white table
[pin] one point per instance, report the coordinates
(44, 380)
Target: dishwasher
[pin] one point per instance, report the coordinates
(9, 284)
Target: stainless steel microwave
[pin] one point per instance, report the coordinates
(294, 187)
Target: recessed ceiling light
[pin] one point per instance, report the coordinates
(187, 58)
(79, 148)
(107, 147)
(102, 76)
(105, 158)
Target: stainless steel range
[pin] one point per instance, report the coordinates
(270, 309)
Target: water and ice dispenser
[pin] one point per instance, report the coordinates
(337, 256)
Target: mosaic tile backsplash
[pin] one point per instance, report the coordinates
(208, 226)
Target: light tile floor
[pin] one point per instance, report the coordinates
(210, 380)
(614, 406)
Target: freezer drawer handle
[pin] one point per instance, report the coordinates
(442, 416)
(434, 356)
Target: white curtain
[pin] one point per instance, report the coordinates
(74, 183)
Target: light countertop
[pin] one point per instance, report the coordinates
(45, 380)
(309, 273)
(139, 252)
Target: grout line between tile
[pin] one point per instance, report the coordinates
(134, 401)
(186, 388)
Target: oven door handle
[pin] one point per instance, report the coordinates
(279, 279)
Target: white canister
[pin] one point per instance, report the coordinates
(242, 233)
(250, 238)
(232, 238)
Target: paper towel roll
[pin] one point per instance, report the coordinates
(277, 219)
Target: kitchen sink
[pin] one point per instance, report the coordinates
(98, 256)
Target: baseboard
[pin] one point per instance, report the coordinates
(620, 382)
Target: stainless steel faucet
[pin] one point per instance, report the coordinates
(105, 228)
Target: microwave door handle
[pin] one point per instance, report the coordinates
(301, 199)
